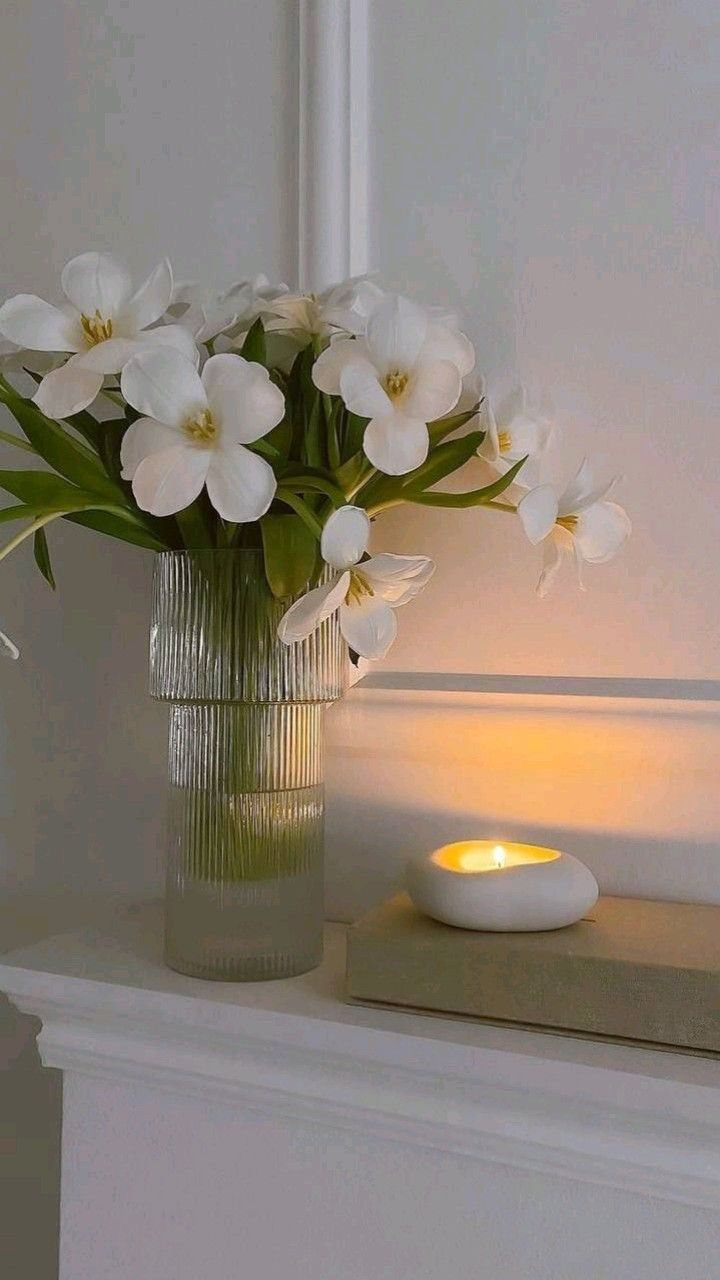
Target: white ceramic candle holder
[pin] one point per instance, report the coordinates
(481, 884)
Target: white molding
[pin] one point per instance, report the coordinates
(333, 142)
(296, 1051)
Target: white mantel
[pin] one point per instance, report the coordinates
(155, 1061)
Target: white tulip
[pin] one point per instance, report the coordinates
(7, 647)
(195, 431)
(103, 325)
(580, 521)
(512, 433)
(344, 308)
(364, 593)
(404, 373)
(209, 314)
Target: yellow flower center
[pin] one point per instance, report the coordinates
(567, 522)
(504, 441)
(96, 329)
(360, 587)
(201, 428)
(395, 383)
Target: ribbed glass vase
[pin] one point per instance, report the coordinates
(244, 897)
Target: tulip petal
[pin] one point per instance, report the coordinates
(242, 399)
(396, 331)
(67, 390)
(369, 626)
(489, 450)
(434, 390)
(345, 537)
(169, 480)
(444, 342)
(577, 490)
(600, 531)
(7, 648)
(331, 362)
(30, 322)
(151, 300)
(528, 438)
(552, 557)
(96, 283)
(311, 610)
(397, 579)
(538, 511)
(240, 484)
(161, 383)
(361, 390)
(143, 438)
(396, 444)
(111, 355)
(175, 336)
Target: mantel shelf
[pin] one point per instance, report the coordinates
(614, 1115)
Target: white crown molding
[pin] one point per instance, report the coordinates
(333, 143)
(607, 1115)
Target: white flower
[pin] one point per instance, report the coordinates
(404, 373)
(209, 314)
(7, 647)
(581, 521)
(513, 433)
(103, 324)
(344, 308)
(363, 592)
(195, 433)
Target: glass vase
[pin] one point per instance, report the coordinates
(244, 894)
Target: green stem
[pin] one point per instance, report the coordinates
(29, 532)
(301, 509)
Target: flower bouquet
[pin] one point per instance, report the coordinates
(251, 439)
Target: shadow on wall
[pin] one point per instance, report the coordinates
(366, 864)
(30, 1126)
(627, 785)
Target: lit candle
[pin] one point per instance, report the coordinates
(482, 884)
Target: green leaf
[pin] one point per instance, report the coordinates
(280, 438)
(66, 455)
(441, 428)
(473, 498)
(195, 526)
(350, 474)
(42, 557)
(301, 508)
(314, 451)
(331, 412)
(313, 480)
(8, 438)
(255, 347)
(44, 493)
(289, 549)
(355, 428)
(47, 492)
(21, 512)
(120, 527)
(443, 461)
(88, 427)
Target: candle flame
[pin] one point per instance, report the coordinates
(499, 856)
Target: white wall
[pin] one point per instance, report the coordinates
(146, 130)
(551, 169)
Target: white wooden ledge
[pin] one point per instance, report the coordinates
(607, 1114)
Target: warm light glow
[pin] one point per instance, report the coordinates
(487, 855)
(499, 856)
